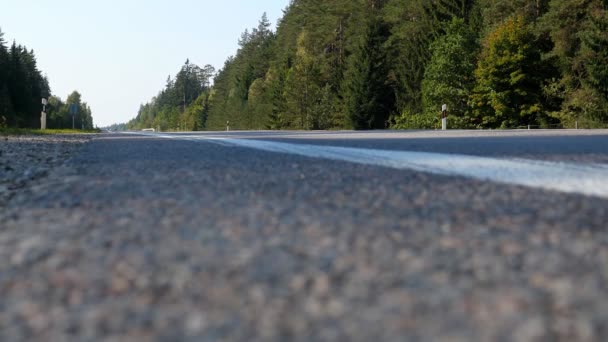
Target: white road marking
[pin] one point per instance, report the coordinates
(586, 179)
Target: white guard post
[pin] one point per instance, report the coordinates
(43, 114)
(444, 117)
(43, 120)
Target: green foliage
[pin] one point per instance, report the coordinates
(496, 12)
(233, 83)
(449, 77)
(410, 120)
(577, 30)
(22, 86)
(301, 88)
(305, 64)
(414, 25)
(30, 131)
(363, 63)
(59, 116)
(595, 45)
(369, 97)
(116, 127)
(509, 78)
(182, 106)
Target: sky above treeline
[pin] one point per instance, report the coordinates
(118, 54)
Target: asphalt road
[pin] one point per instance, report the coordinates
(195, 237)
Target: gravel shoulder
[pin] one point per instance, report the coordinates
(25, 159)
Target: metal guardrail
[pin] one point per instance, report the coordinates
(554, 126)
(595, 125)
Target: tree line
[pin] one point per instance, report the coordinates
(182, 105)
(22, 88)
(373, 64)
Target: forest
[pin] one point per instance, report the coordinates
(22, 87)
(375, 64)
(182, 105)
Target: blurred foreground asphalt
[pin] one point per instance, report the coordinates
(183, 238)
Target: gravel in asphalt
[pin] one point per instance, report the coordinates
(24, 159)
(139, 238)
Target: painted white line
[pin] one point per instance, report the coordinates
(585, 179)
(591, 180)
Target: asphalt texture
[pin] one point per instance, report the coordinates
(141, 238)
(24, 159)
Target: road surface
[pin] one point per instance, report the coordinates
(313, 236)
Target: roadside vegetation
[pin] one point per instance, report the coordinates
(373, 64)
(22, 88)
(30, 131)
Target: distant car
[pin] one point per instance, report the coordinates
(148, 130)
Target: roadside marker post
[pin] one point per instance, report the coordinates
(444, 117)
(73, 111)
(227, 126)
(43, 114)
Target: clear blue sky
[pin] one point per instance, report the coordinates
(118, 53)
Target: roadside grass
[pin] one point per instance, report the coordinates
(28, 131)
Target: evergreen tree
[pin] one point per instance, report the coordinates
(301, 89)
(18, 88)
(595, 44)
(22, 86)
(170, 109)
(356, 63)
(370, 98)
(449, 77)
(275, 83)
(6, 106)
(573, 28)
(233, 83)
(414, 25)
(495, 12)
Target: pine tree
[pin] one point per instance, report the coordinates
(275, 83)
(18, 87)
(354, 63)
(495, 12)
(414, 25)
(301, 88)
(369, 97)
(595, 42)
(6, 106)
(571, 27)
